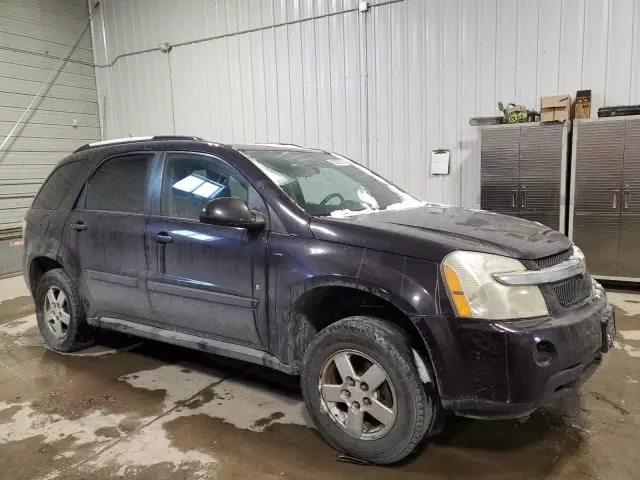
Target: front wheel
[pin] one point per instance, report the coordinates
(363, 392)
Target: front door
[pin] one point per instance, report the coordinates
(205, 279)
(106, 238)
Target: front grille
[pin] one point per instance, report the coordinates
(573, 291)
(552, 260)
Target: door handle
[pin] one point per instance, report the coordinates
(614, 205)
(514, 196)
(523, 198)
(79, 226)
(162, 238)
(626, 199)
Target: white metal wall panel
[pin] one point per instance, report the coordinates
(572, 41)
(399, 104)
(384, 87)
(451, 69)
(296, 82)
(594, 57)
(620, 43)
(137, 95)
(506, 50)
(270, 78)
(352, 108)
(467, 104)
(549, 41)
(634, 88)
(309, 83)
(34, 37)
(527, 40)
(416, 48)
(432, 108)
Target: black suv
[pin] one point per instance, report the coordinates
(391, 310)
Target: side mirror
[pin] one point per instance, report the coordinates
(232, 212)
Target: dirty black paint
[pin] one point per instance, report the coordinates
(237, 291)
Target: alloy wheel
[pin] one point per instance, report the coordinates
(56, 312)
(358, 395)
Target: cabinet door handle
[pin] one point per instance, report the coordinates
(523, 198)
(614, 205)
(514, 196)
(626, 199)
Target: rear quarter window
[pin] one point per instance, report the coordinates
(63, 180)
(119, 184)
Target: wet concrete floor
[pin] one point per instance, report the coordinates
(135, 409)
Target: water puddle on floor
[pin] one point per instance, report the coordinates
(16, 308)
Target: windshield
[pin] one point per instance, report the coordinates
(328, 184)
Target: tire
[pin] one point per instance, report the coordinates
(77, 334)
(368, 341)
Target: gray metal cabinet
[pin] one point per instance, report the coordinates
(604, 210)
(629, 241)
(523, 171)
(500, 171)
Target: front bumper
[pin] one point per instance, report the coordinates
(509, 369)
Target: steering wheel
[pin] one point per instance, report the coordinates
(326, 199)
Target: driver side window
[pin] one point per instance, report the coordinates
(191, 180)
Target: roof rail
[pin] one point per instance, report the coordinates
(279, 144)
(114, 141)
(177, 137)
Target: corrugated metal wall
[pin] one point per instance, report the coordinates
(34, 36)
(384, 87)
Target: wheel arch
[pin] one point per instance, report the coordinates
(38, 266)
(326, 300)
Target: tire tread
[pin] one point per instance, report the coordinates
(394, 342)
(81, 334)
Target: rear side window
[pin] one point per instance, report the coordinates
(59, 183)
(119, 185)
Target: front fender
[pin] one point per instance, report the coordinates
(300, 265)
(392, 296)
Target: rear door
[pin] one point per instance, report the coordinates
(106, 238)
(207, 280)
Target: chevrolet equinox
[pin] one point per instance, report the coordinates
(391, 310)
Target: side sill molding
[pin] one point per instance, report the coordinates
(216, 347)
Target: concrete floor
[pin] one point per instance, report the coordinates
(144, 410)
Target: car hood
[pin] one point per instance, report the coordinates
(432, 231)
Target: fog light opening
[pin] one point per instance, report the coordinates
(544, 353)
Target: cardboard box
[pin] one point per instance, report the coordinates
(555, 109)
(583, 104)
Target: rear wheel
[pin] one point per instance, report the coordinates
(61, 318)
(363, 391)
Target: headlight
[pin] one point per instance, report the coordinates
(474, 293)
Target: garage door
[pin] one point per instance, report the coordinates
(35, 38)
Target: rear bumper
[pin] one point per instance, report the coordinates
(509, 369)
